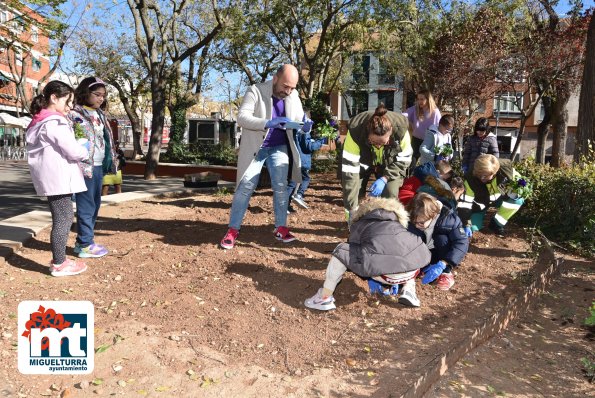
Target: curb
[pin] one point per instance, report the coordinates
(546, 269)
(18, 230)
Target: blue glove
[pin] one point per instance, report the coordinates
(377, 187)
(432, 272)
(468, 232)
(276, 123)
(377, 287)
(307, 127)
(464, 168)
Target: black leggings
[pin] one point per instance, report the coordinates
(62, 214)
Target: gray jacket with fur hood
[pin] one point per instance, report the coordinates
(379, 242)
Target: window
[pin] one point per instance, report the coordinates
(17, 24)
(359, 102)
(387, 98)
(35, 64)
(361, 69)
(508, 102)
(34, 34)
(3, 16)
(385, 75)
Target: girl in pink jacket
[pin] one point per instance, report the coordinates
(53, 156)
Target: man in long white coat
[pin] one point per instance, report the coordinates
(266, 109)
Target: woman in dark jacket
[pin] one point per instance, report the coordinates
(379, 246)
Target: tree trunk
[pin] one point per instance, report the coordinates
(560, 116)
(157, 122)
(585, 131)
(137, 135)
(543, 130)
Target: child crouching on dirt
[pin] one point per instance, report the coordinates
(449, 242)
(379, 246)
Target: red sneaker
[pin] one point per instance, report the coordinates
(445, 281)
(283, 234)
(229, 240)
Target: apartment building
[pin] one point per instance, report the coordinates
(24, 49)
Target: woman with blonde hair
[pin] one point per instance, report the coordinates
(421, 116)
(487, 184)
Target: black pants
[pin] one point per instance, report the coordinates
(415, 144)
(62, 214)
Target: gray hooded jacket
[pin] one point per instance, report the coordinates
(379, 242)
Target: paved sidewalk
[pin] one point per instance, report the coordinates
(28, 214)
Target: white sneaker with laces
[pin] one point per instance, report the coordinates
(317, 302)
(408, 296)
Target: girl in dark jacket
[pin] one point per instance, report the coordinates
(482, 141)
(380, 246)
(449, 243)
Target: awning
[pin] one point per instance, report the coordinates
(8, 120)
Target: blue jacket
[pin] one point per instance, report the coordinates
(306, 145)
(450, 241)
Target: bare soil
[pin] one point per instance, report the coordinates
(185, 318)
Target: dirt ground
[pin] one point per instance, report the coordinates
(181, 317)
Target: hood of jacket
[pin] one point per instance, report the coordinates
(44, 114)
(426, 169)
(439, 189)
(393, 207)
(35, 127)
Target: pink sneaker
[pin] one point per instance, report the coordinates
(283, 234)
(445, 281)
(229, 240)
(68, 268)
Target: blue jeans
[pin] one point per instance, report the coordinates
(87, 208)
(302, 186)
(277, 162)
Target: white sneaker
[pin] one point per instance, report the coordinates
(408, 296)
(317, 302)
(409, 299)
(299, 200)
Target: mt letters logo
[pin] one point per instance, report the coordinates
(56, 337)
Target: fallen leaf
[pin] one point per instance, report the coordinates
(367, 349)
(97, 382)
(102, 348)
(142, 392)
(370, 373)
(162, 388)
(536, 377)
(351, 362)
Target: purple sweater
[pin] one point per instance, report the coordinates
(420, 126)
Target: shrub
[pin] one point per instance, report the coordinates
(324, 164)
(214, 154)
(562, 205)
